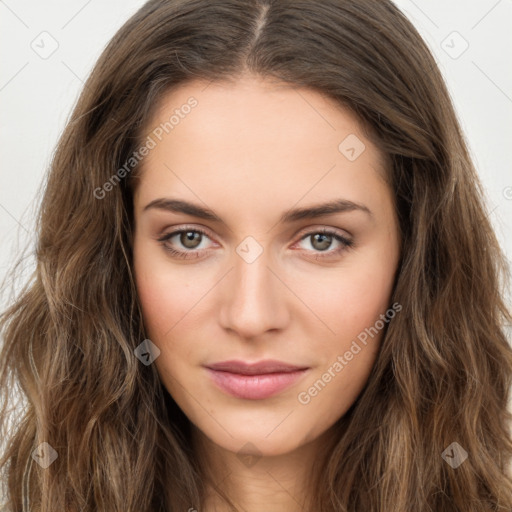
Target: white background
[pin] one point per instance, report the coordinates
(37, 95)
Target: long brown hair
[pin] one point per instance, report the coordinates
(444, 371)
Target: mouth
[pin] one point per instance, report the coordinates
(255, 381)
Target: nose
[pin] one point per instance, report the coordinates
(254, 299)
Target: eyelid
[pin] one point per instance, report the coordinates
(347, 242)
(336, 233)
(301, 234)
(322, 228)
(186, 227)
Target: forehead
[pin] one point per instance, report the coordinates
(256, 138)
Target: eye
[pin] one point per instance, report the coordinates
(321, 240)
(189, 239)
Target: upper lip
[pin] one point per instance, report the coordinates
(259, 368)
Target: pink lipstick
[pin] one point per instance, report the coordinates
(254, 381)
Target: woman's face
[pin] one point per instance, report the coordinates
(245, 170)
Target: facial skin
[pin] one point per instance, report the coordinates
(249, 151)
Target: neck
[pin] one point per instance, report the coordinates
(255, 481)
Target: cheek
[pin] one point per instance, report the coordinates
(166, 302)
(352, 310)
(162, 295)
(348, 299)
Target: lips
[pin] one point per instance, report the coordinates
(255, 381)
(260, 368)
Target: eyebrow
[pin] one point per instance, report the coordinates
(292, 215)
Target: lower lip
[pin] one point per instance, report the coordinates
(254, 387)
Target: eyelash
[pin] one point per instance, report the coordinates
(345, 243)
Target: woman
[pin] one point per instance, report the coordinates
(265, 278)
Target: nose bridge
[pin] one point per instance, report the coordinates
(254, 299)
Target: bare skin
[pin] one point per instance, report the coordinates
(248, 152)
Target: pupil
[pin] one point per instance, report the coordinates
(325, 241)
(189, 237)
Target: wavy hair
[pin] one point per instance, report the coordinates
(444, 370)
